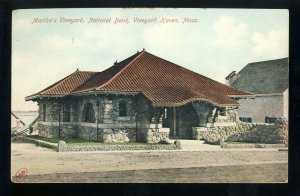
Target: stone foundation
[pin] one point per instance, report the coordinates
(52, 131)
(154, 135)
(118, 135)
(88, 133)
(198, 132)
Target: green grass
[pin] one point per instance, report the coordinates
(78, 142)
(102, 143)
(241, 142)
(56, 140)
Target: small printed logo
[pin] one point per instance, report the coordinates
(21, 174)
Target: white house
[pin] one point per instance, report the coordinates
(269, 81)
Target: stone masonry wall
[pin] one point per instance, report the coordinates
(111, 126)
(52, 131)
(119, 135)
(249, 132)
(231, 116)
(88, 133)
(154, 135)
(204, 111)
(260, 133)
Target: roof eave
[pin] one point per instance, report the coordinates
(242, 96)
(177, 104)
(34, 97)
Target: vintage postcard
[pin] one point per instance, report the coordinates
(150, 95)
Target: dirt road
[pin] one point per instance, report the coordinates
(43, 161)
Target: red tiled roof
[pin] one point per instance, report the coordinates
(162, 82)
(101, 78)
(66, 85)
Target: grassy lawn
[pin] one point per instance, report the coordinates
(78, 142)
(240, 142)
(56, 140)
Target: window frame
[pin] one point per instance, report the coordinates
(270, 120)
(89, 113)
(122, 108)
(246, 119)
(222, 111)
(67, 112)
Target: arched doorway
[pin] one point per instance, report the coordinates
(180, 120)
(88, 113)
(186, 119)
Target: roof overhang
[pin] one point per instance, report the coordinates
(34, 97)
(91, 92)
(177, 104)
(242, 96)
(269, 94)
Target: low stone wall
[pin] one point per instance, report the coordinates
(270, 134)
(249, 132)
(214, 135)
(154, 135)
(234, 146)
(63, 147)
(24, 139)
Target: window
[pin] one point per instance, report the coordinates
(246, 119)
(166, 113)
(89, 113)
(122, 108)
(44, 112)
(270, 119)
(222, 111)
(67, 112)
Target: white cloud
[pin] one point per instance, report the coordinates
(168, 41)
(271, 45)
(229, 33)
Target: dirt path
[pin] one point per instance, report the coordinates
(261, 173)
(42, 161)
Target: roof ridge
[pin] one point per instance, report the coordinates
(78, 87)
(259, 62)
(269, 60)
(121, 70)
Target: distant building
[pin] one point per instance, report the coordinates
(16, 122)
(269, 81)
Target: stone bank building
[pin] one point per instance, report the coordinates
(142, 98)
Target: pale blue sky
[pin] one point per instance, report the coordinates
(221, 41)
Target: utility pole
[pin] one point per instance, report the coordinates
(59, 118)
(97, 118)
